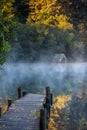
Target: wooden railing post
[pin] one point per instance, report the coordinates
(48, 101)
(43, 123)
(19, 92)
(47, 107)
(9, 102)
(51, 99)
(24, 93)
(49, 95)
(0, 111)
(48, 92)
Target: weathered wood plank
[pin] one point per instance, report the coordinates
(23, 114)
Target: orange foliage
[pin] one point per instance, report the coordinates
(60, 102)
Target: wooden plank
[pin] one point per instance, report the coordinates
(23, 114)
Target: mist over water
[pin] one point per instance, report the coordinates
(34, 77)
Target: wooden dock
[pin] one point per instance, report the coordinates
(23, 114)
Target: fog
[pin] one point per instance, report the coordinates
(34, 77)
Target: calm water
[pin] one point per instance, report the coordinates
(62, 78)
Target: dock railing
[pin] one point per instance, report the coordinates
(45, 112)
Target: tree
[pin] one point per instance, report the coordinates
(47, 12)
(21, 10)
(6, 20)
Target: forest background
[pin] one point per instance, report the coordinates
(32, 29)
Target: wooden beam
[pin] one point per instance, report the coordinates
(48, 92)
(19, 92)
(43, 123)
